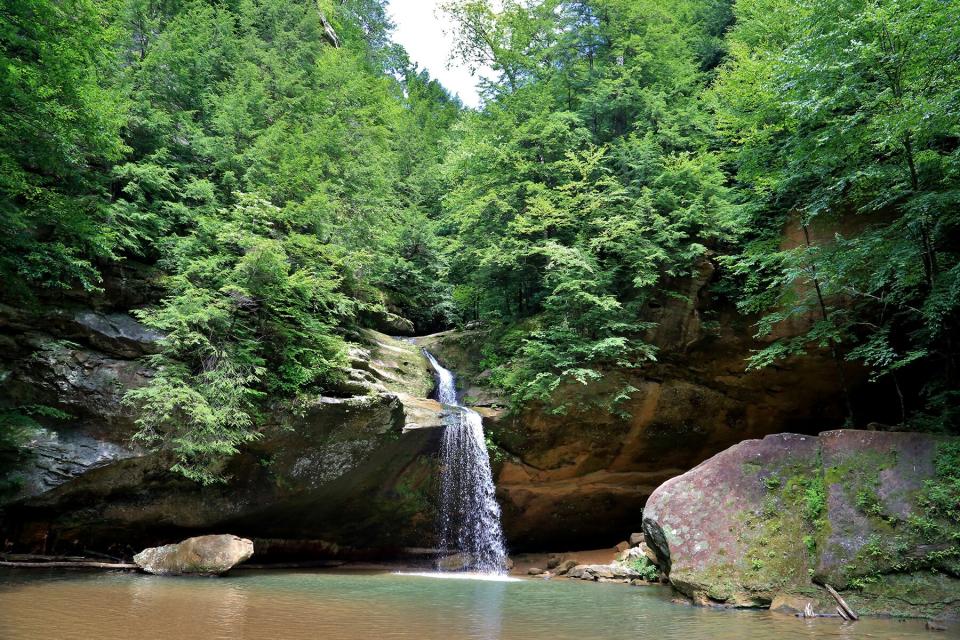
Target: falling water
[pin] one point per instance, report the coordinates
(469, 513)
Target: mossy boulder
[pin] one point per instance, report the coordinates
(730, 531)
(854, 509)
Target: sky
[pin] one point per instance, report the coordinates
(421, 29)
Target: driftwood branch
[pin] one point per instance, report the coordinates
(36, 557)
(844, 609)
(69, 565)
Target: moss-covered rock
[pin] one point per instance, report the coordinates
(854, 509)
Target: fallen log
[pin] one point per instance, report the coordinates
(844, 608)
(102, 555)
(69, 565)
(311, 564)
(36, 557)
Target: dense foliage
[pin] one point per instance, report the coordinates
(586, 182)
(275, 161)
(844, 116)
(809, 148)
(290, 175)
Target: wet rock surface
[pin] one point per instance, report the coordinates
(598, 572)
(57, 457)
(85, 383)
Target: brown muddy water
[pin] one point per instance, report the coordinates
(306, 605)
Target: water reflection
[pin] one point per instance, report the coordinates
(486, 611)
(349, 606)
(216, 608)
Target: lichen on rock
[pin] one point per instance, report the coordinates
(778, 516)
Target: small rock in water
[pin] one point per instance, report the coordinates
(534, 571)
(577, 571)
(455, 562)
(790, 604)
(636, 539)
(203, 555)
(622, 546)
(601, 571)
(565, 567)
(936, 625)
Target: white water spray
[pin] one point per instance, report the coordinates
(469, 513)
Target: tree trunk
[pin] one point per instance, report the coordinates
(841, 372)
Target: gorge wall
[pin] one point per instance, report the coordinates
(352, 470)
(581, 478)
(355, 470)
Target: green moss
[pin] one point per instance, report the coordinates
(647, 570)
(771, 562)
(750, 468)
(814, 499)
(919, 594)
(927, 540)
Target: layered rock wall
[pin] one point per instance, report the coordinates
(581, 477)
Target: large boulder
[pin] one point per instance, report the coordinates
(783, 514)
(720, 531)
(203, 555)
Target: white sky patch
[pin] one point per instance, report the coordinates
(423, 30)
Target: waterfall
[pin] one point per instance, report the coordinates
(469, 513)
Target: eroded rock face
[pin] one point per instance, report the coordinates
(771, 517)
(581, 478)
(80, 362)
(118, 334)
(357, 471)
(59, 456)
(203, 555)
(85, 383)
